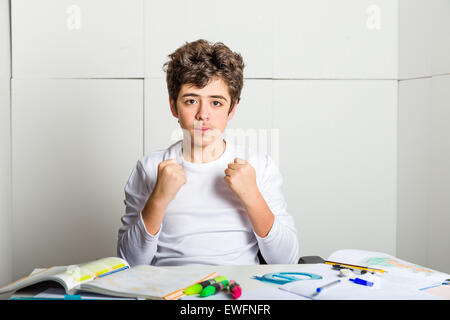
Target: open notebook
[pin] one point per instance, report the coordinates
(113, 276)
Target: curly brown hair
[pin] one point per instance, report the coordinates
(197, 62)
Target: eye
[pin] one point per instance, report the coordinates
(190, 101)
(217, 103)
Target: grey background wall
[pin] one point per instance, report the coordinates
(352, 98)
(423, 211)
(5, 146)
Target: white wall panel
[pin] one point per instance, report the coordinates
(5, 61)
(5, 184)
(414, 170)
(244, 26)
(75, 145)
(439, 235)
(5, 148)
(162, 128)
(338, 159)
(440, 36)
(328, 39)
(77, 38)
(414, 40)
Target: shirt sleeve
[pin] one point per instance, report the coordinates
(135, 244)
(280, 246)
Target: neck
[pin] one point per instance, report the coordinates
(203, 154)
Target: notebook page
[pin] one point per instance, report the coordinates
(143, 281)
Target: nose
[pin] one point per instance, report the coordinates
(203, 112)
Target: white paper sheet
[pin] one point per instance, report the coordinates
(347, 290)
(402, 280)
(393, 265)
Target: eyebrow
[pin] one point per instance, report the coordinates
(197, 95)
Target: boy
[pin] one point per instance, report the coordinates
(197, 202)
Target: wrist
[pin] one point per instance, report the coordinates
(259, 213)
(153, 214)
(157, 200)
(250, 198)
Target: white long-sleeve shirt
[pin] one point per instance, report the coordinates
(206, 223)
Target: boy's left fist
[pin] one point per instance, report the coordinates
(241, 178)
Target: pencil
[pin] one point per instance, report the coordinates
(356, 267)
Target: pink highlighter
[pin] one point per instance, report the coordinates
(235, 289)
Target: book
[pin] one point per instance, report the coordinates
(113, 276)
(53, 293)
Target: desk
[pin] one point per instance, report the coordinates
(241, 274)
(244, 274)
(252, 289)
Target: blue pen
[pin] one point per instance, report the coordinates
(362, 282)
(320, 289)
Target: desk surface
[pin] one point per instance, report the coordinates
(241, 274)
(252, 289)
(244, 274)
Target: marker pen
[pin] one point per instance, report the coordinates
(362, 282)
(198, 287)
(213, 288)
(235, 289)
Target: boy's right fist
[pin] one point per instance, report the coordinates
(171, 177)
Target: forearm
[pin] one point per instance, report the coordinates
(153, 213)
(259, 213)
(277, 238)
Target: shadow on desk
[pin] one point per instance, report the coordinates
(302, 260)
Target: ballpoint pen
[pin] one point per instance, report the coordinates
(320, 289)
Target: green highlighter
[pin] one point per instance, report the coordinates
(198, 287)
(213, 288)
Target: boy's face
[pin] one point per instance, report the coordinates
(203, 112)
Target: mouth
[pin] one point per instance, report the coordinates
(201, 129)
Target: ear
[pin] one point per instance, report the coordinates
(173, 107)
(231, 115)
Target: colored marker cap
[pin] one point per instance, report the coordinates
(236, 292)
(194, 289)
(208, 291)
(198, 287)
(213, 288)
